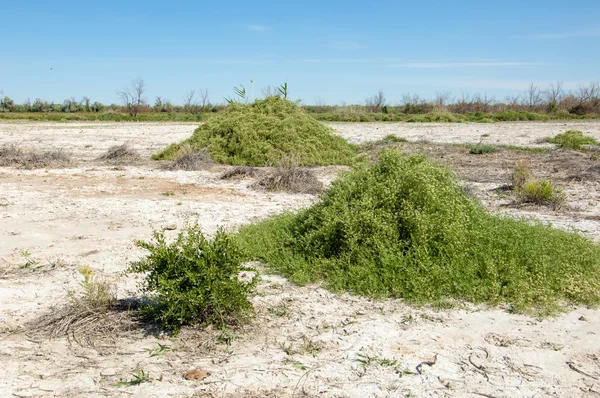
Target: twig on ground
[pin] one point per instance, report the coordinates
(573, 367)
(428, 363)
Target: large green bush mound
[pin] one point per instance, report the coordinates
(402, 227)
(263, 133)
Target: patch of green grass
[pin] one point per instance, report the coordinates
(393, 138)
(541, 192)
(514, 116)
(278, 311)
(524, 148)
(445, 117)
(295, 364)
(572, 139)
(402, 227)
(480, 149)
(108, 115)
(168, 193)
(265, 132)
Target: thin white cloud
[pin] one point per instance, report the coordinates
(257, 28)
(346, 45)
(455, 83)
(446, 65)
(591, 32)
(341, 60)
(400, 63)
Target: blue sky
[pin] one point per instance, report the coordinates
(332, 50)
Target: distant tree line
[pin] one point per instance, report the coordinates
(553, 99)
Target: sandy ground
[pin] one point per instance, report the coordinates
(509, 133)
(304, 341)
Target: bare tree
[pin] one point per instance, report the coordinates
(589, 97)
(189, 102)
(320, 104)
(554, 93)
(85, 103)
(589, 93)
(512, 101)
(376, 102)
(441, 100)
(204, 100)
(532, 96)
(463, 103)
(133, 97)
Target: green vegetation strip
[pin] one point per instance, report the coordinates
(447, 117)
(333, 116)
(403, 228)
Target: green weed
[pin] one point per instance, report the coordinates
(480, 149)
(541, 192)
(278, 311)
(295, 364)
(95, 293)
(158, 351)
(572, 139)
(402, 227)
(139, 377)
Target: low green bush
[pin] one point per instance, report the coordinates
(193, 280)
(403, 227)
(572, 139)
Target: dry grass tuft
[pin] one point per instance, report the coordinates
(290, 179)
(120, 153)
(94, 315)
(187, 158)
(240, 172)
(13, 156)
(521, 174)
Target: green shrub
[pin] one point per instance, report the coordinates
(540, 192)
(572, 139)
(194, 280)
(402, 227)
(263, 133)
(480, 149)
(445, 117)
(513, 116)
